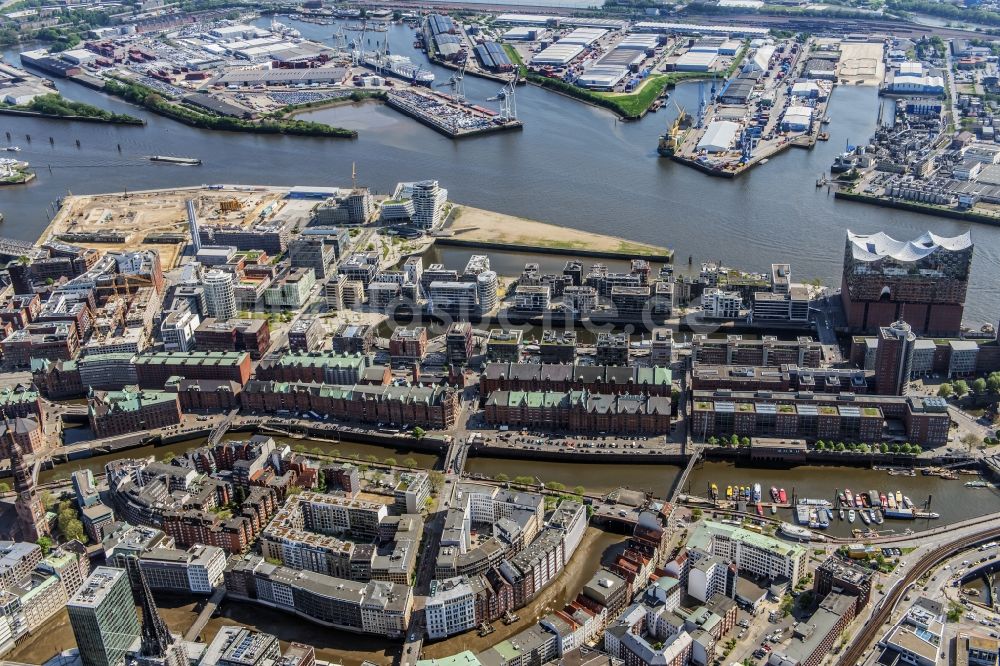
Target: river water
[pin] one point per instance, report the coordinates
(356, 450)
(572, 165)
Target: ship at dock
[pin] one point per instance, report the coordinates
(399, 66)
(384, 62)
(670, 141)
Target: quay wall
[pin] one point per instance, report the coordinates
(742, 456)
(487, 451)
(562, 251)
(441, 127)
(916, 207)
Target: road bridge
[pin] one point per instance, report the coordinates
(220, 430)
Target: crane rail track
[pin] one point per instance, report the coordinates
(852, 655)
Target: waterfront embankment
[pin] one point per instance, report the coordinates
(26, 113)
(917, 207)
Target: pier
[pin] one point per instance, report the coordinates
(448, 115)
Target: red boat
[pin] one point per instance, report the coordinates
(782, 497)
(760, 509)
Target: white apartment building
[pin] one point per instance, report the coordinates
(571, 517)
(758, 554)
(220, 294)
(451, 607)
(199, 569)
(428, 204)
(707, 575)
(177, 330)
(719, 304)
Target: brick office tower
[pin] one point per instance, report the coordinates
(924, 281)
(894, 358)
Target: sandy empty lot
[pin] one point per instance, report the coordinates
(474, 224)
(82, 220)
(861, 63)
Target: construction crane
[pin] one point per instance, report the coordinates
(508, 104)
(457, 83)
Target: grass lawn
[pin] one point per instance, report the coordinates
(634, 104)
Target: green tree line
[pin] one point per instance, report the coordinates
(57, 105)
(155, 102)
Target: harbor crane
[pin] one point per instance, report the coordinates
(359, 46)
(340, 40)
(508, 104)
(457, 83)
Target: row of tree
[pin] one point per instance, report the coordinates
(980, 386)
(735, 441)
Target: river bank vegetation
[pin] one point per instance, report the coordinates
(56, 106)
(144, 96)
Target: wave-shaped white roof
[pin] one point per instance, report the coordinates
(872, 247)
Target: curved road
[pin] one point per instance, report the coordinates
(868, 634)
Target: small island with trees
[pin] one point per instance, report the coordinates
(55, 105)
